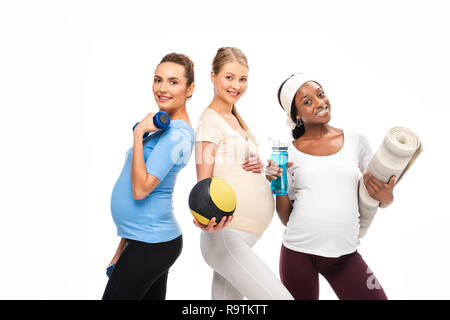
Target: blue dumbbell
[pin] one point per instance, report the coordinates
(109, 270)
(161, 120)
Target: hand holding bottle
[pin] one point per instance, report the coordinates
(273, 171)
(279, 185)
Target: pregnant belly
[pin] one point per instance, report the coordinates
(255, 203)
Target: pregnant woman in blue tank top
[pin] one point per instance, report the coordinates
(141, 201)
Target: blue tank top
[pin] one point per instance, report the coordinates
(151, 219)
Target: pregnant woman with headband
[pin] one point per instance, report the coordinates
(141, 201)
(321, 209)
(225, 148)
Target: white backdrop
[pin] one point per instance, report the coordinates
(76, 75)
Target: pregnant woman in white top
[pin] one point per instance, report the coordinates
(226, 148)
(321, 209)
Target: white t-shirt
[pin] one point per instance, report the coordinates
(325, 218)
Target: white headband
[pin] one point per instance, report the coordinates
(288, 91)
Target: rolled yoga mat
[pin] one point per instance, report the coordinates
(398, 151)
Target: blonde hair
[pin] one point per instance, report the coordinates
(226, 55)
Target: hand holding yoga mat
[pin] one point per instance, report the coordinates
(398, 151)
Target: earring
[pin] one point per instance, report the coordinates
(299, 122)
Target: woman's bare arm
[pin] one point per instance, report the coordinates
(205, 156)
(142, 183)
(120, 248)
(284, 208)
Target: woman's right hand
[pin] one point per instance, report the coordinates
(273, 171)
(146, 125)
(214, 228)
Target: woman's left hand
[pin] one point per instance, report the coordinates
(382, 192)
(253, 164)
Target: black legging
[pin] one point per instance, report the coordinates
(141, 271)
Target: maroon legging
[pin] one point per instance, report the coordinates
(348, 275)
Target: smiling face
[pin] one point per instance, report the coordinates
(313, 106)
(231, 81)
(169, 86)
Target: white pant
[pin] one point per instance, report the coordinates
(238, 271)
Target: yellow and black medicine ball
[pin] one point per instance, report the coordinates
(212, 197)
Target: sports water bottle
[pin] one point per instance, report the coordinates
(279, 186)
(161, 120)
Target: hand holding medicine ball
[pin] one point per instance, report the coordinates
(212, 202)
